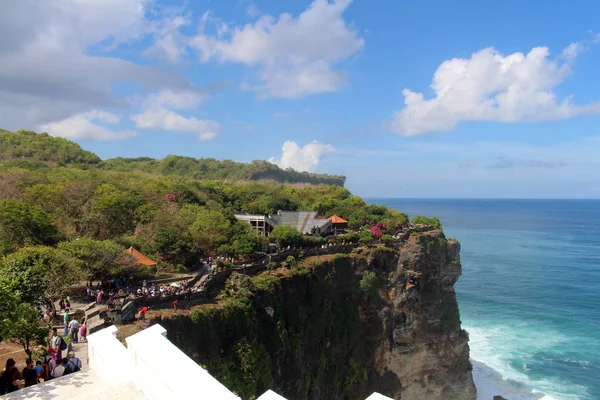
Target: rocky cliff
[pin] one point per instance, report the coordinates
(339, 327)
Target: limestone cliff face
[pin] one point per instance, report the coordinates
(423, 353)
(340, 327)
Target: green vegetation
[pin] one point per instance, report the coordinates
(22, 224)
(431, 221)
(209, 168)
(19, 322)
(286, 235)
(30, 150)
(40, 272)
(369, 284)
(100, 259)
(306, 326)
(42, 147)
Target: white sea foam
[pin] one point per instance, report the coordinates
(490, 382)
(493, 348)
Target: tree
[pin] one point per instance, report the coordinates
(47, 197)
(286, 235)
(433, 221)
(9, 300)
(173, 244)
(116, 208)
(22, 225)
(99, 259)
(41, 272)
(210, 230)
(25, 328)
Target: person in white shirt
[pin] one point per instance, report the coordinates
(59, 370)
(74, 330)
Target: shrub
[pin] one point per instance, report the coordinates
(388, 240)
(365, 236)
(286, 235)
(422, 220)
(369, 284)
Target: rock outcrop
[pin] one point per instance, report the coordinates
(339, 327)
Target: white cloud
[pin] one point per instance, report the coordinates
(181, 99)
(302, 158)
(159, 117)
(157, 114)
(46, 70)
(169, 42)
(492, 87)
(295, 55)
(81, 126)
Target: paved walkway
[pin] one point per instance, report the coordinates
(81, 351)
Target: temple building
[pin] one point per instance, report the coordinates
(306, 222)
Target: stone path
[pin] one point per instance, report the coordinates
(81, 351)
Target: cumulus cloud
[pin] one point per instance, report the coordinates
(295, 56)
(47, 71)
(302, 158)
(164, 119)
(489, 86)
(158, 115)
(86, 126)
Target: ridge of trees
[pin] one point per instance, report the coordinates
(36, 151)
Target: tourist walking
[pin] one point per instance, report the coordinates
(143, 312)
(83, 331)
(57, 343)
(74, 330)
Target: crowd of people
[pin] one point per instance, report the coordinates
(162, 290)
(53, 365)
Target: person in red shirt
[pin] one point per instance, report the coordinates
(175, 302)
(143, 312)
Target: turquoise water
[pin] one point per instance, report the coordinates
(529, 295)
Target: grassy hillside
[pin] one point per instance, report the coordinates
(32, 150)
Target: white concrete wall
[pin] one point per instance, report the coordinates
(107, 356)
(162, 371)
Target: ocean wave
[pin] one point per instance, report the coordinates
(500, 356)
(490, 383)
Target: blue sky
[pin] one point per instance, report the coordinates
(407, 99)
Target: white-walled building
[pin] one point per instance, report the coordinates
(306, 222)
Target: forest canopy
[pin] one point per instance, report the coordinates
(30, 150)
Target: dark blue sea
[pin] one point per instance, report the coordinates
(529, 295)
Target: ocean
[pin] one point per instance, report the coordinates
(529, 295)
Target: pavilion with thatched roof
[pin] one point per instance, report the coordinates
(338, 222)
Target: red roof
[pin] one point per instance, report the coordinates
(141, 259)
(337, 220)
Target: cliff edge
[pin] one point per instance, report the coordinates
(339, 327)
